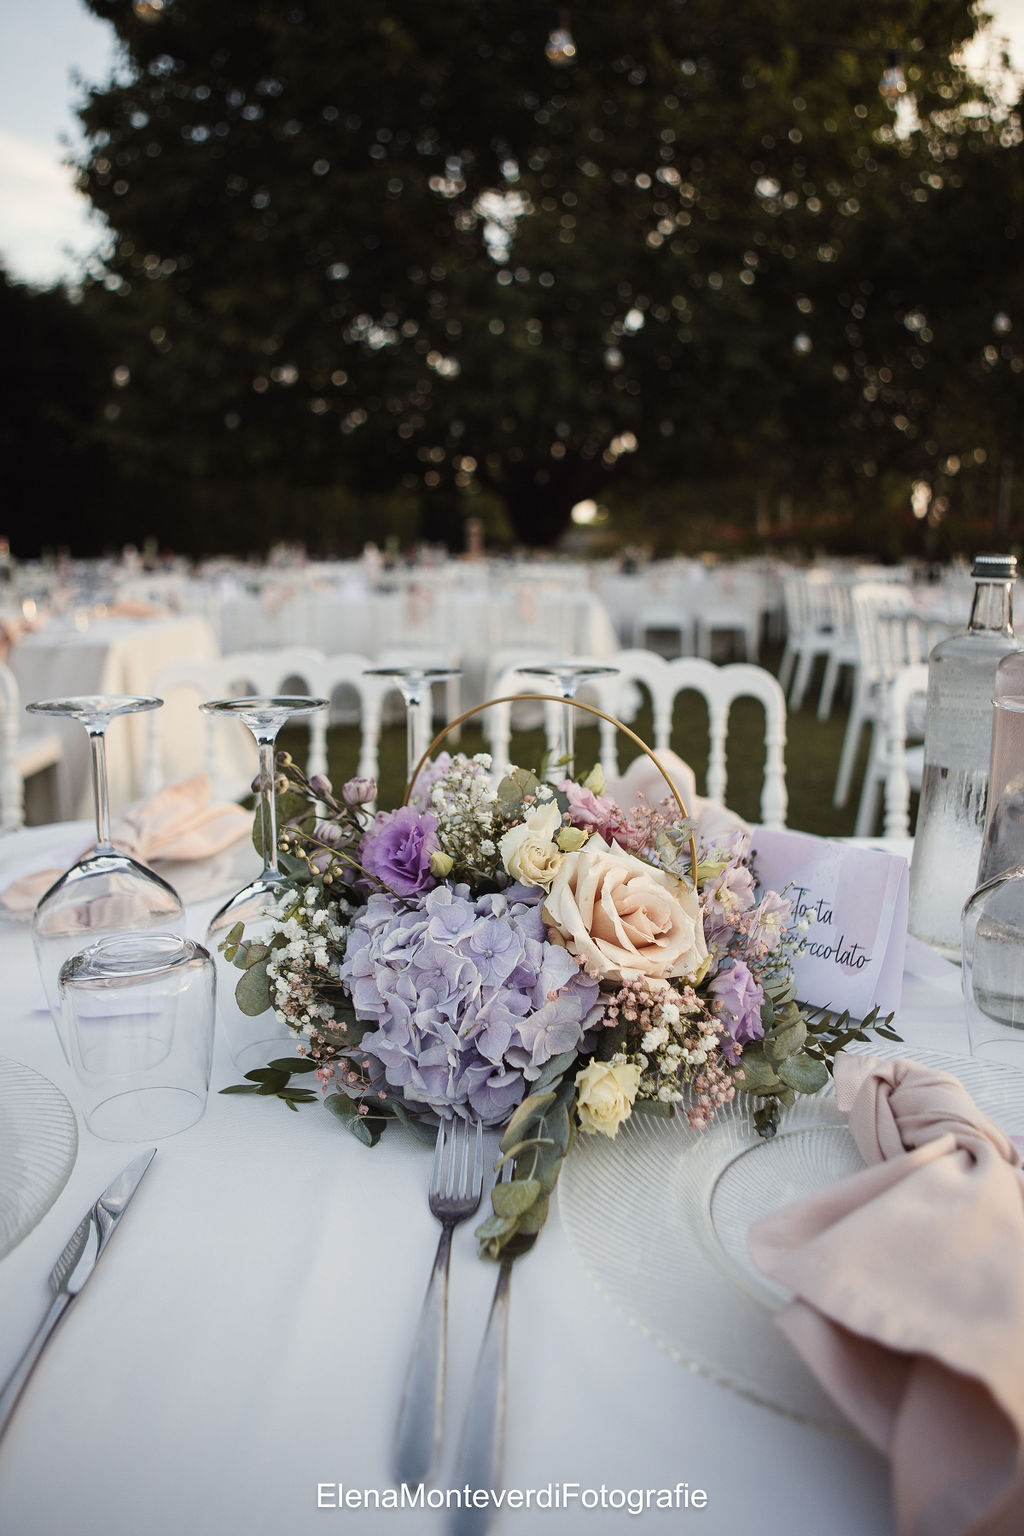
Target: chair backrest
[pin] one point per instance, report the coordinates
(889, 634)
(807, 601)
(908, 684)
(498, 720)
(226, 751)
(345, 670)
(720, 686)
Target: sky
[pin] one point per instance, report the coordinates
(45, 228)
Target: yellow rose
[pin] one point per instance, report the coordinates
(605, 1095)
(623, 918)
(528, 850)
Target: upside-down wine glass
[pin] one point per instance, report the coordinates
(105, 891)
(566, 677)
(253, 1040)
(414, 684)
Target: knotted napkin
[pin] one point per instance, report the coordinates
(908, 1281)
(178, 823)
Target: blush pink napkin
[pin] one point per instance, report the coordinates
(179, 823)
(908, 1281)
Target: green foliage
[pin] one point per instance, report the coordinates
(273, 1081)
(703, 247)
(797, 1052)
(536, 1141)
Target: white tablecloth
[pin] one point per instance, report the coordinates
(245, 1340)
(116, 656)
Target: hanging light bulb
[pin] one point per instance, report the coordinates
(893, 82)
(149, 10)
(560, 47)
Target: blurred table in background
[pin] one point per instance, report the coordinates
(114, 655)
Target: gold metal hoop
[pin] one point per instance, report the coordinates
(554, 698)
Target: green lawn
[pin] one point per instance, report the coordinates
(812, 756)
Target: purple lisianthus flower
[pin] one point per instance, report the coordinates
(736, 997)
(397, 850)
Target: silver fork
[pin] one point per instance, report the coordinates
(480, 1458)
(456, 1181)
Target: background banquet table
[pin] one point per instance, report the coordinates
(246, 1337)
(115, 655)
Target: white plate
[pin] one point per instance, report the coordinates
(29, 849)
(659, 1216)
(38, 1146)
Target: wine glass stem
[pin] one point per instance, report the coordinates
(268, 805)
(98, 748)
(413, 699)
(569, 735)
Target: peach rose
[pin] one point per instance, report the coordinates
(623, 918)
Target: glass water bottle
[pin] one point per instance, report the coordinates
(958, 736)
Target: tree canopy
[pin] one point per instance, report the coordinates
(388, 266)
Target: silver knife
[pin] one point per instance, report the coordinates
(72, 1270)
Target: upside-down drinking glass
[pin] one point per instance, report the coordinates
(105, 891)
(253, 1040)
(566, 677)
(414, 684)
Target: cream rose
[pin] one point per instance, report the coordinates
(623, 918)
(528, 850)
(605, 1095)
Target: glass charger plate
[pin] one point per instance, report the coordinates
(195, 880)
(38, 1146)
(658, 1217)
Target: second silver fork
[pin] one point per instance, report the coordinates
(456, 1182)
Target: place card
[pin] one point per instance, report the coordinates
(854, 902)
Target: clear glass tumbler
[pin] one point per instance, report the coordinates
(138, 1013)
(993, 968)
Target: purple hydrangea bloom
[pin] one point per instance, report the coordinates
(737, 998)
(469, 998)
(397, 850)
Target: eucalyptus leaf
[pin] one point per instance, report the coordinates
(515, 1197)
(419, 1128)
(552, 1071)
(803, 1073)
(759, 1076)
(362, 1131)
(654, 1107)
(252, 992)
(787, 1041)
(293, 1064)
(341, 1105)
(527, 1114)
(495, 1226)
(524, 1146)
(532, 1220)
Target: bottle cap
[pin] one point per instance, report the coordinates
(994, 568)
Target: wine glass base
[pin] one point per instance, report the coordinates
(146, 1114)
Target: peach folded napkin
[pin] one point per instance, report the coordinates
(179, 823)
(643, 784)
(908, 1282)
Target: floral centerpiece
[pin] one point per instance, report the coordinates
(530, 954)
